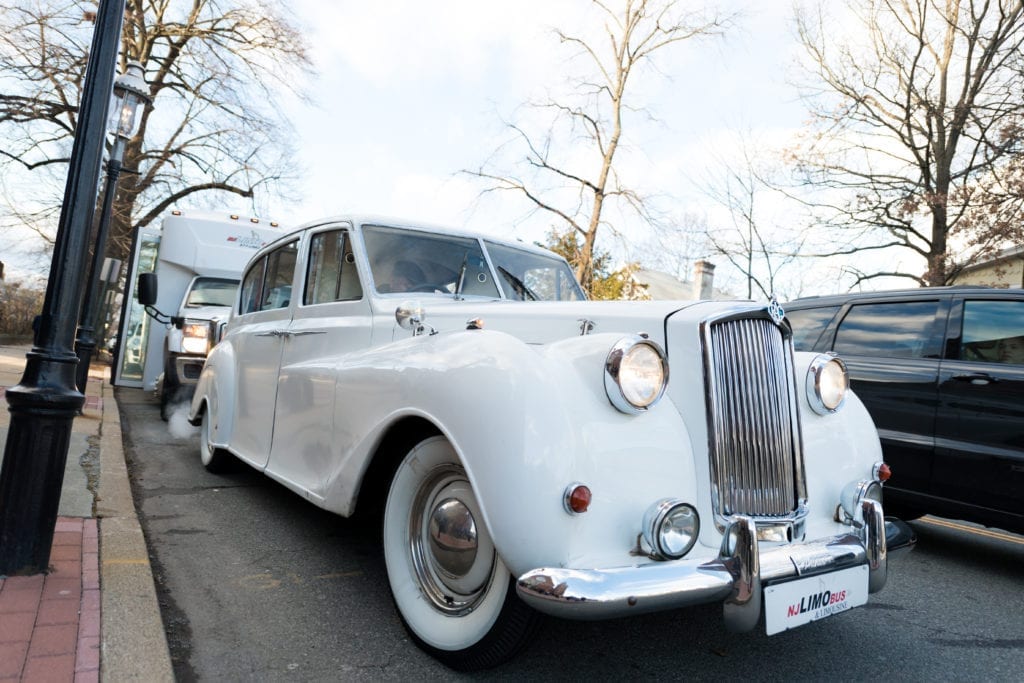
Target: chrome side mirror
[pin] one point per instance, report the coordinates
(410, 316)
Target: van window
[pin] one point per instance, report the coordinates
(808, 324)
(889, 330)
(993, 332)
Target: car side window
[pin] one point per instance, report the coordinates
(332, 274)
(808, 324)
(252, 286)
(890, 330)
(277, 283)
(993, 332)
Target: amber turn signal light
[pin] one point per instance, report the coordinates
(882, 472)
(577, 498)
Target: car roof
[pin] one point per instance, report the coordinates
(916, 293)
(360, 220)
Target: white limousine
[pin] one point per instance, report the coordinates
(528, 451)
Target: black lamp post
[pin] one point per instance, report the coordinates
(43, 405)
(130, 91)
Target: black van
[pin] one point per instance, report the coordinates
(941, 370)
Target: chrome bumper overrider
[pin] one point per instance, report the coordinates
(735, 577)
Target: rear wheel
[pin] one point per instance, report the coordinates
(455, 596)
(214, 459)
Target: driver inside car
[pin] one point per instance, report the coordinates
(405, 276)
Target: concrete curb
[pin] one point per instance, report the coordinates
(134, 644)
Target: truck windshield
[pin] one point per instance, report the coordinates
(211, 291)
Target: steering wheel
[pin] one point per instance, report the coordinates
(427, 287)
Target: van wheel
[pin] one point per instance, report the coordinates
(454, 594)
(214, 459)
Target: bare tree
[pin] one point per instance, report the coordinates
(918, 127)
(215, 70)
(571, 170)
(748, 237)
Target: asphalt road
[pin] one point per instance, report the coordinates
(257, 584)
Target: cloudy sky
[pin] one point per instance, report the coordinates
(408, 94)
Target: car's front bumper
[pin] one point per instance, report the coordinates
(187, 368)
(735, 577)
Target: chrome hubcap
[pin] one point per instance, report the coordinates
(453, 538)
(452, 554)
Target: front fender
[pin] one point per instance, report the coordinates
(215, 389)
(839, 447)
(527, 422)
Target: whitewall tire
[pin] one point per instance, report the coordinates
(214, 459)
(453, 592)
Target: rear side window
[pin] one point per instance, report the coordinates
(268, 282)
(993, 332)
(889, 330)
(808, 324)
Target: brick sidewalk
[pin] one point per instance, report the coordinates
(50, 623)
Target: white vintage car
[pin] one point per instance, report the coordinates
(527, 450)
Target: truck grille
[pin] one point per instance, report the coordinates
(756, 464)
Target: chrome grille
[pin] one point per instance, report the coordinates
(754, 434)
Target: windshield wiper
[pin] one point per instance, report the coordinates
(521, 289)
(462, 276)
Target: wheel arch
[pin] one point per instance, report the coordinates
(395, 442)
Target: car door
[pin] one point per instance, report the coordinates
(892, 350)
(980, 431)
(257, 340)
(332, 318)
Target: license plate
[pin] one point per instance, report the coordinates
(795, 603)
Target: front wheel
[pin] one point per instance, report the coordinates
(214, 459)
(455, 596)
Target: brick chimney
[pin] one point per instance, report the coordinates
(703, 279)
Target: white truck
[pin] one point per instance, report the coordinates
(191, 287)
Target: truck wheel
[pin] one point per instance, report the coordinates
(455, 596)
(214, 459)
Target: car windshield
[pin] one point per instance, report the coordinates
(211, 291)
(412, 261)
(529, 276)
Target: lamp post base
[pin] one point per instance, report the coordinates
(43, 407)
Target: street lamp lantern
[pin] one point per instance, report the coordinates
(129, 92)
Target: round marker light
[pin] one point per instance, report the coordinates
(827, 384)
(670, 528)
(577, 498)
(882, 471)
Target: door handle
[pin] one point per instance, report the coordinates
(273, 333)
(978, 378)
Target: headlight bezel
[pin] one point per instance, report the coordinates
(820, 377)
(618, 362)
(654, 530)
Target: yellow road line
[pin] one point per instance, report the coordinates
(974, 530)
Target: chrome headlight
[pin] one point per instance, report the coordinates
(670, 528)
(195, 337)
(827, 384)
(635, 374)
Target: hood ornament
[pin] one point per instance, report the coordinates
(776, 311)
